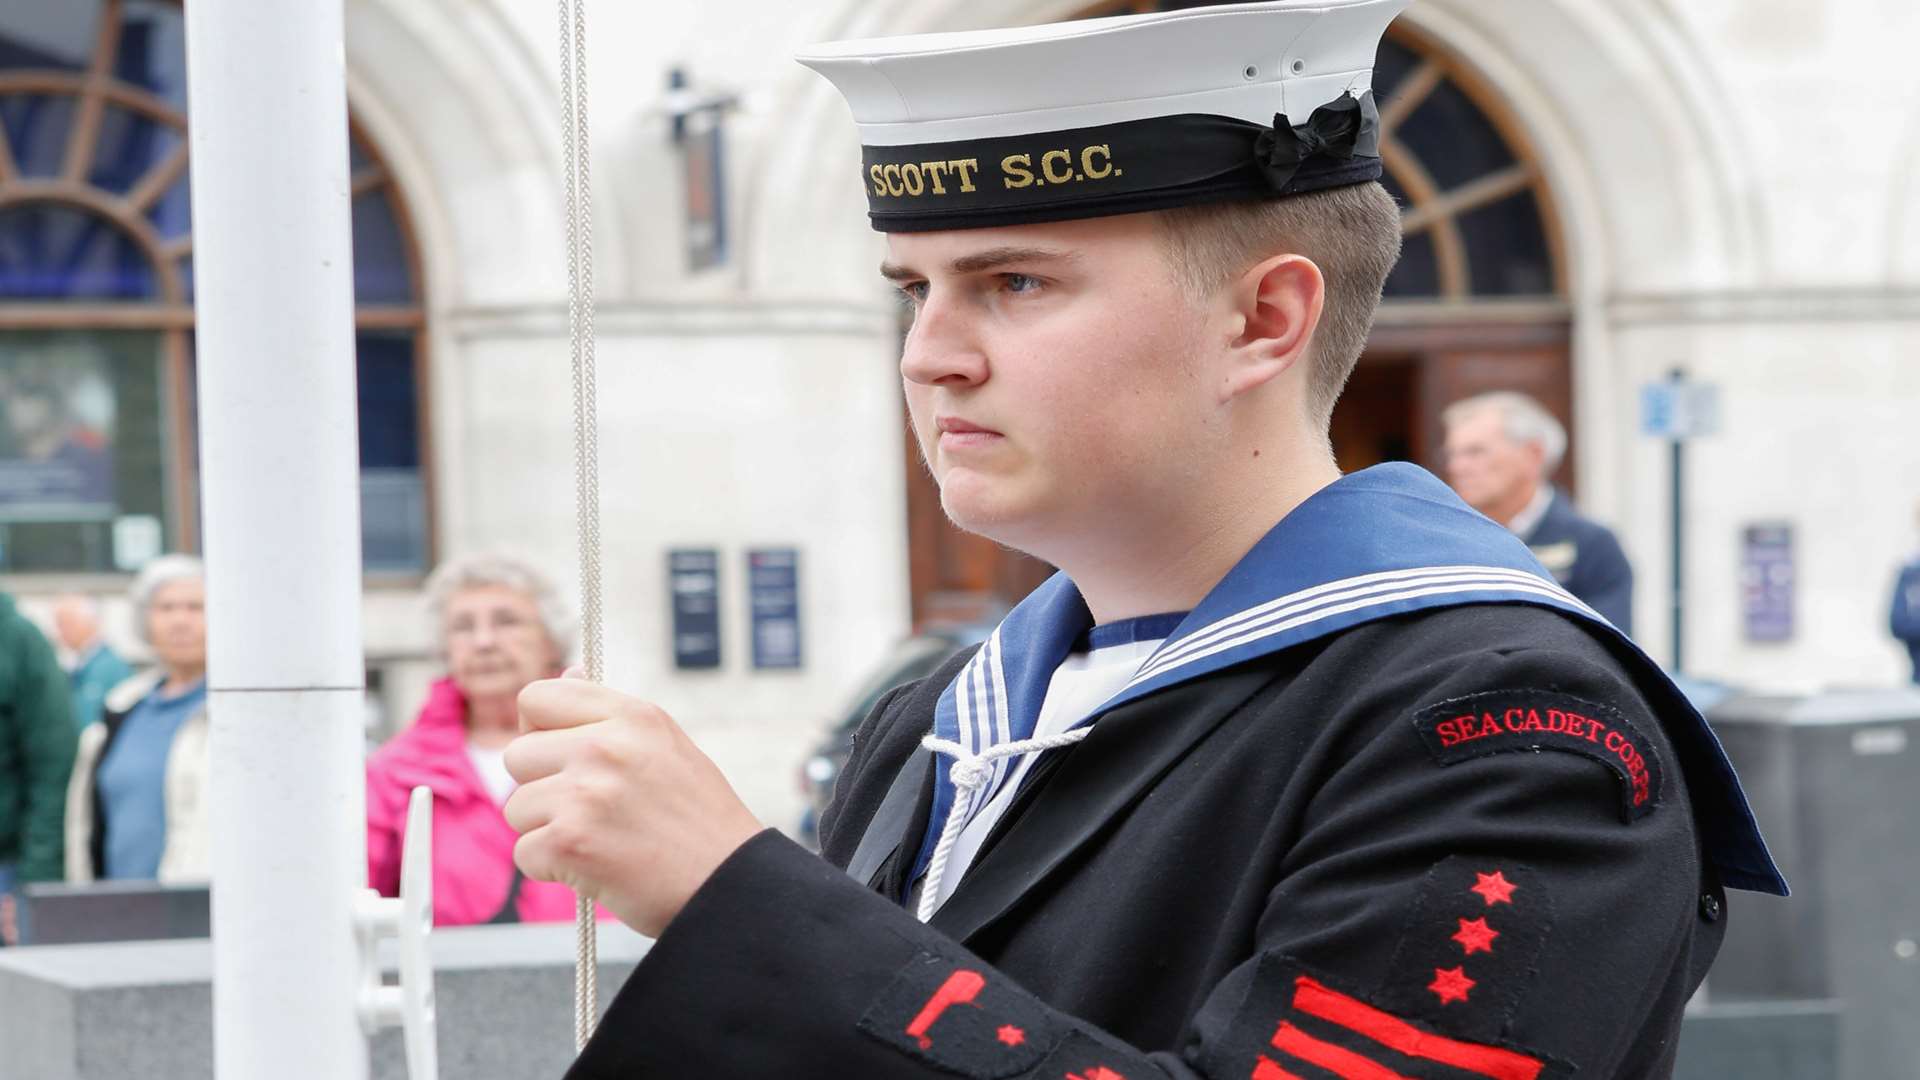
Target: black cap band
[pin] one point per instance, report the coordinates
(1124, 168)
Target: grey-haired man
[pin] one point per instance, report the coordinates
(1502, 451)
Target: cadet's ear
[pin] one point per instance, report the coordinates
(1278, 302)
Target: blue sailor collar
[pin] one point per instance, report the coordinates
(1372, 545)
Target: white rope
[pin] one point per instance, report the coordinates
(968, 773)
(586, 443)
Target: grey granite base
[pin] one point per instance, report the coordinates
(110, 1012)
(505, 994)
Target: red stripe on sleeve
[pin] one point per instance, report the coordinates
(1316, 999)
(1267, 1070)
(1337, 1060)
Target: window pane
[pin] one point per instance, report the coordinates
(380, 271)
(389, 401)
(1391, 65)
(82, 481)
(56, 36)
(36, 127)
(54, 252)
(130, 145)
(172, 213)
(393, 503)
(1453, 138)
(153, 50)
(1417, 274)
(1507, 249)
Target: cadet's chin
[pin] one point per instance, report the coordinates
(992, 507)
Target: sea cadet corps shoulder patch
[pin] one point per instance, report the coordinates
(963, 1017)
(1511, 721)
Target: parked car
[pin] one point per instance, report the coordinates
(913, 658)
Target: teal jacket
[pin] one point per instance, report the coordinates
(98, 673)
(37, 741)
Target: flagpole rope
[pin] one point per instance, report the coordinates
(586, 448)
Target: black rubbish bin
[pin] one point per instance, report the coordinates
(1832, 970)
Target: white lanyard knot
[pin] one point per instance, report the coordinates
(969, 773)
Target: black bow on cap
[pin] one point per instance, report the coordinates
(1346, 127)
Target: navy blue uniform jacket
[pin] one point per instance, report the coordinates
(1473, 841)
(1904, 619)
(1586, 559)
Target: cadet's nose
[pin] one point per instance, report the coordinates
(941, 349)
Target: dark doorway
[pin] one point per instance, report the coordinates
(1376, 419)
(1411, 372)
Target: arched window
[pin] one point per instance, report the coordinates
(1472, 198)
(97, 454)
(1475, 209)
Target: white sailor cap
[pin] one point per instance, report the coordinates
(1114, 115)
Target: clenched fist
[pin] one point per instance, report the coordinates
(617, 803)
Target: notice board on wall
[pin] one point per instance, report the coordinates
(693, 581)
(1767, 581)
(773, 590)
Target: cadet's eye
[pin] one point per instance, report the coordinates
(1019, 283)
(913, 293)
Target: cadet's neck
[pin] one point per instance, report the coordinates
(1167, 558)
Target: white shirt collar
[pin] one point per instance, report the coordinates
(1528, 519)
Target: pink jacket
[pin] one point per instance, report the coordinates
(472, 842)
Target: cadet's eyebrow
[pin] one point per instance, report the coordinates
(982, 260)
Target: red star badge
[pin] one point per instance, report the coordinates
(1476, 936)
(1494, 888)
(1098, 1072)
(1011, 1035)
(1450, 984)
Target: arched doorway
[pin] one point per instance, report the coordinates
(1478, 302)
(98, 463)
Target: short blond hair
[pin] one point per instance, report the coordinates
(1352, 233)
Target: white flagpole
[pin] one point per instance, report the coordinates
(278, 470)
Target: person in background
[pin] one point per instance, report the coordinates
(137, 805)
(96, 668)
(1904, 619)
(36, 754)
(1502, 450)
(501, 624)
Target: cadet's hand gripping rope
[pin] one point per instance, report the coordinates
(586, 447)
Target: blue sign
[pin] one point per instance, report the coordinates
(1766, 581)
(773, 589)
(693, 580)
(1679, 410)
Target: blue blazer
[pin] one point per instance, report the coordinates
(1586, 559)
(1904, 620)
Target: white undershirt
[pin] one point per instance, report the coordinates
(492, 767)
(1082, 684)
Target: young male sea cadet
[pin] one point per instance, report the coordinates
(1286, 774)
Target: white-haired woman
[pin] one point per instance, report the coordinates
(501, 625)
(137, 802)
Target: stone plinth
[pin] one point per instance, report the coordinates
(108, 1012)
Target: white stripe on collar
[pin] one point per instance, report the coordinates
(1339, 598)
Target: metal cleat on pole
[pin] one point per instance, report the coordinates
(407, 1004)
